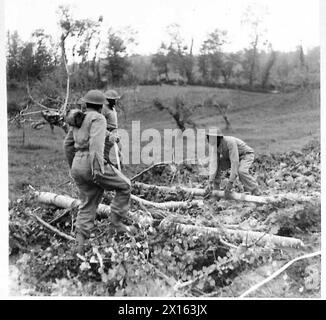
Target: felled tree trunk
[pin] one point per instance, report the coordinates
(168, 204)
(68, 202)
(233, 195)
(248, 237)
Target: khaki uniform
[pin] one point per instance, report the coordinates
(84, 149)
(235, 154)
(111, 117)
(112, 126)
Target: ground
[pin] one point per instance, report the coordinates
(270, 123)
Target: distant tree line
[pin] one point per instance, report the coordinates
(94, 62)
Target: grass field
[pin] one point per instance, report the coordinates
(268, 122)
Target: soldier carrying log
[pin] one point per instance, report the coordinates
(229, 152)
(84, 149)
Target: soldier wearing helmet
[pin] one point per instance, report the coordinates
(110, 114)
(230, 152)
(109, 109)
(84, 149)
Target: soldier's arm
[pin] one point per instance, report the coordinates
(234, 159)
(69, 147)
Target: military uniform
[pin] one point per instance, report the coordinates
(84, 149)
(235, 154)
(112, 137)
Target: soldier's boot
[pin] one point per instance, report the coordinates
(121, 227)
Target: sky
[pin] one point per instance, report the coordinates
(288, 24)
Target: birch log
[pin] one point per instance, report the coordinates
(249, 237)
(233, 195)
(66, 202)
(168, 204)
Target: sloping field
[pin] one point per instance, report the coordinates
(268, 122)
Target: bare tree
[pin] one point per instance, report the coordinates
(211, 55)
(179, 111)
(222, 107)
(269, 65)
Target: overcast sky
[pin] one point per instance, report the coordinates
(289, 23)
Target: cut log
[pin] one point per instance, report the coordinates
(250, 237)
(68, 202)
(57, 200)
(169, 204)
(233, 195)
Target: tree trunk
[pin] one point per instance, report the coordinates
(233, 195)
(249, 237)
(268, 68)
(68, 202)
(169, 204)
(253, 62)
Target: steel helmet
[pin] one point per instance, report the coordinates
(214, 132)
(112, 94)
(94, 97)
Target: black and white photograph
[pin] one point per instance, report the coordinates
(162, 149)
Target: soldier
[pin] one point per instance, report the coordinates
(226, 152)
(112, 150)
(84, 149)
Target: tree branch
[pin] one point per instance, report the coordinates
(275, 274)
(36, 102)
(164, 163)
(53, 229)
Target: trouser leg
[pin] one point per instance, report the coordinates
(111, 180)
(248, 181)
(90, 195)
(224, 165)
(110, 155)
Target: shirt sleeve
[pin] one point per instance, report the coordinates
(69, 147)
(234, 159)
(96, 143)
